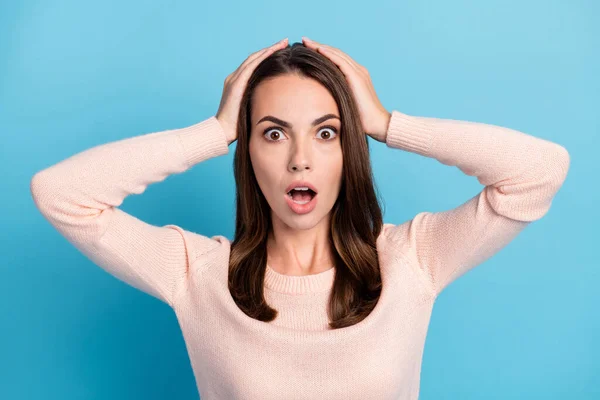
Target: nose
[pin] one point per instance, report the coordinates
(300, 155)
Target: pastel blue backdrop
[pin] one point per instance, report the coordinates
(75, 74)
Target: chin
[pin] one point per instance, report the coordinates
(299, 221)
(302, 222)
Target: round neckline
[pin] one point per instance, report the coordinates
(299, 284)
(328, 336)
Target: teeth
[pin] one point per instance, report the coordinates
(299, 188)
(302, 188)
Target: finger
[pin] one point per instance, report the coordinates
(345, 57)
(346, 67)
(330, 49)
(318, 45)
(260, 54)
(253, 56)
(247, 69)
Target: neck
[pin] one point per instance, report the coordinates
(295, 251)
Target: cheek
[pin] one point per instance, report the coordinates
(334, 162)
(266, 171)
(333, 171)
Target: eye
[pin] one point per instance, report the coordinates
(267, 131)
(330, 128)
(275, 138)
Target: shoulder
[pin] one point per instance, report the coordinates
(201, 246)
(406, 232)
(404, 238)
(394, 241)
(396, 235)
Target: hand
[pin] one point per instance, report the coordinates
(234, 87)
(374, 117)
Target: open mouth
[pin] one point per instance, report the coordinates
(299, 196)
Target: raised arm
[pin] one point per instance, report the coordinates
(521, 175)
(79, 196)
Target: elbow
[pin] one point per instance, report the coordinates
(40, 189)
(36, 186)
(532, 198)
(35, 183)
(552, 166)
(562, 163)
(556, 170)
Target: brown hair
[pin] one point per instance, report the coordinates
(356, 218)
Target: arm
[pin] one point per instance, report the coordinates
(521, 175)
(79, 196)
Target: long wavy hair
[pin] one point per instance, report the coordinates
(356, 217)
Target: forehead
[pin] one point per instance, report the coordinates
(290, 97)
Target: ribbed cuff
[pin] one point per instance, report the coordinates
(409, 133)
(203, 140)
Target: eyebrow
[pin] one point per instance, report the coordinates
(288, 125)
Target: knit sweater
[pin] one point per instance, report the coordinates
(297, 356)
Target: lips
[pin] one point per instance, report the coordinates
(298, 183)
(301, 208)
(302, 193)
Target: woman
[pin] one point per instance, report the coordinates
(315, 297)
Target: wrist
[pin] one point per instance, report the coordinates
(381, 126)
(387, 117)
(227, 131)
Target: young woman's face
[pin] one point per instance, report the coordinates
(281, 154)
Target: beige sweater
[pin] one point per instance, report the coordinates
(296, 356)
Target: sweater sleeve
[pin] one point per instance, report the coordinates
(521, 174)
(79, 196)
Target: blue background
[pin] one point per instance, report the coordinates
(74, 74)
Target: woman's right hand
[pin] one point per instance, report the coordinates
(234, 87)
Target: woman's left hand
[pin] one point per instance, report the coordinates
(374, 117)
